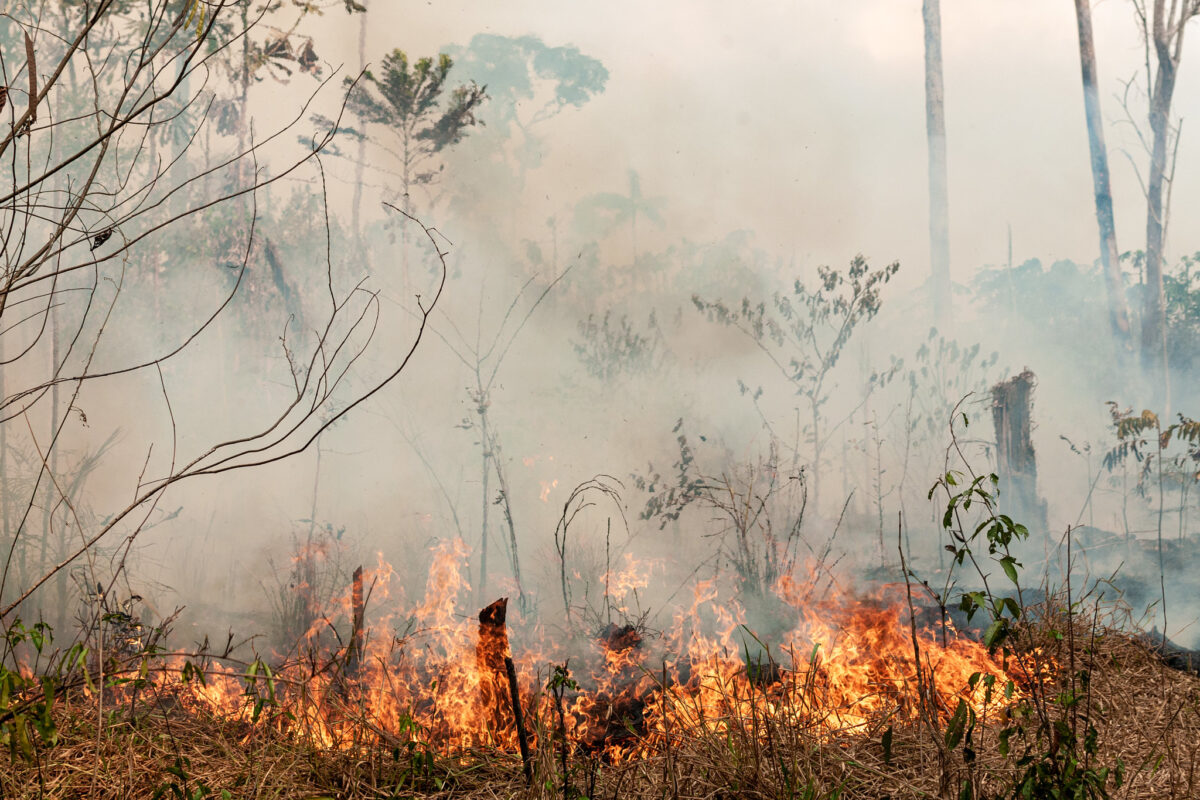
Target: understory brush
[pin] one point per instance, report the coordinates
(1120, 706)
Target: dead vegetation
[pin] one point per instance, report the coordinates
(158, 741)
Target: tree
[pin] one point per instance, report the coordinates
(1109, 255)
(1162, 28)
(939, 203)
(618, 209)
(361, 155)
(528, 82)
(483, 360)
(80, 209)
(804, 334)
(412, 102)
(260, 49)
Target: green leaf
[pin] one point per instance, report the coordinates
(994, 634)
(957, 725)
(1003, 740)
(1010, 568)
(1010, 604)
(23, 736)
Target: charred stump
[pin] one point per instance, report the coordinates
(493, 638)
(355, 651)
(490, 653)
(499, 695)
(1012, 415)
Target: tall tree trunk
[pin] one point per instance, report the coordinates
(243, 164)
(1154, 313)
(485, 466)
(506, 508)
(1163, 29)
(362, 143)
(56, 425)
(939, 203)
(817, 450)
(1117, 307)
(5, 487)
(49, 468)
(406, 177)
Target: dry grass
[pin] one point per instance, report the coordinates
(1146, 714)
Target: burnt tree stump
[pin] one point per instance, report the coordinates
(496, 694)
(1012, 415)
(354, 653)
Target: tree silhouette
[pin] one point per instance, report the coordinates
(609, 210)
(528, 83)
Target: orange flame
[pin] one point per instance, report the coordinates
(843, 663)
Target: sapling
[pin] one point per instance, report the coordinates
(804, 333)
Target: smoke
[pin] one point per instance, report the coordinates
(714, 151)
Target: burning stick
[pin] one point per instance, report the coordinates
(493, 637)
(522, 739)
(356, 635)
(489, 661)
(495, 665)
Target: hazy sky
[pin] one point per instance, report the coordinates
(802, 122)
(805, 120)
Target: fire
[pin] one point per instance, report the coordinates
(839, 664)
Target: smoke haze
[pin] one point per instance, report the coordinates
(760, 143)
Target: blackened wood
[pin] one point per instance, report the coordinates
(490, 653)
(1012, 415)
(519, 717)
(493, 637)
(354, 657)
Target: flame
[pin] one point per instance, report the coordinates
(841, 663)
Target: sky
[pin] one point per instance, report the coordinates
(804, 121)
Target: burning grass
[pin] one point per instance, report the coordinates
(837, 665)
(831, 705)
